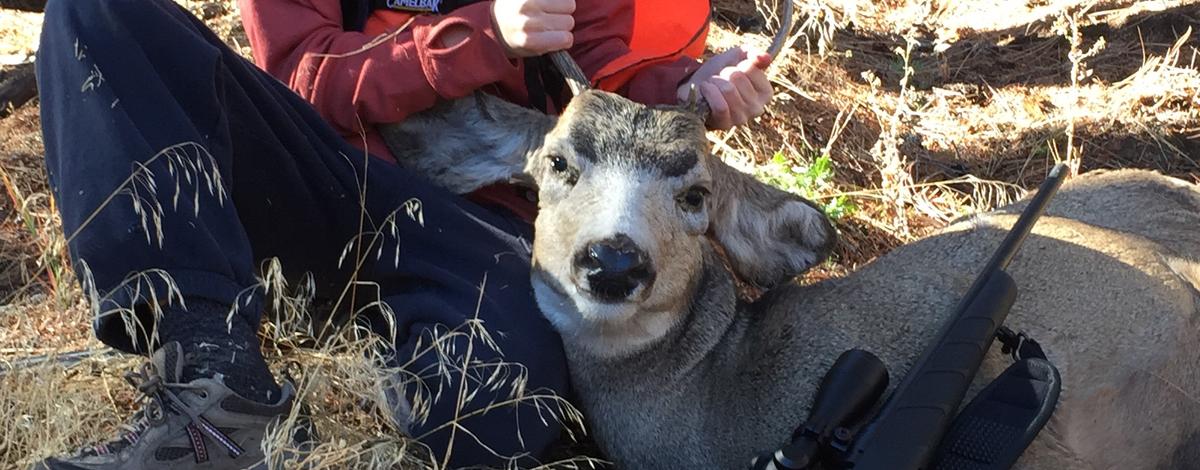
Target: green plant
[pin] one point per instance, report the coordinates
(812, 181)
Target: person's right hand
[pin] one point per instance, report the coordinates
(534, 27)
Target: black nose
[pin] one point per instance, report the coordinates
(614, 268)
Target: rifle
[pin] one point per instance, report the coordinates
(906, 432)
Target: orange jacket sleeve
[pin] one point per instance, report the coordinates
(602, 33)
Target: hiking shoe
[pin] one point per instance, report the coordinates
(201, 424)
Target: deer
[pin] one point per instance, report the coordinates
(642, 234)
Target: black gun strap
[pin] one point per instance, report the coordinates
(1018, 344)
(545, 85)
(994, 429)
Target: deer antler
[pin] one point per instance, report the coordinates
(785, 29)
(571, 72)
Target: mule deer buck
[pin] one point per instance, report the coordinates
(674, 371)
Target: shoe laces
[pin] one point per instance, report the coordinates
(159, 399)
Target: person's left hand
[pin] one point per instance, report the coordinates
(734, 84)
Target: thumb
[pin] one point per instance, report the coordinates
(734, 55)
(727, 58)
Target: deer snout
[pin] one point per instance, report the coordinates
(613, 269)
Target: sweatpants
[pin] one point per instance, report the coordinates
(178, 166)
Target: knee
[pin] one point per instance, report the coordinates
(79, 13)
(77, 17)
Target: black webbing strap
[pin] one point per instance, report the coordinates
(545, 85)
(1018, 344)
(1002, 420)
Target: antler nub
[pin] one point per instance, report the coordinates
(571, 72)
(696, 102)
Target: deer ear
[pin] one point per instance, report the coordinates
(470, 142)
(770, 235)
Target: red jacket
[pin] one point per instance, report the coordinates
(355, 86)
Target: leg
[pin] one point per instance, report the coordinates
(123, 80)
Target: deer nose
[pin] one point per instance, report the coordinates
(614, 268)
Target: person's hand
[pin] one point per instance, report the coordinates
(534, 27)
(734, 84)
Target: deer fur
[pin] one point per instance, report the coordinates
(686, 375)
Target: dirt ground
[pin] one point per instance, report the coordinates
(926, 110)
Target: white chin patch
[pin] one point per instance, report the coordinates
(603, 329)
(556, 307)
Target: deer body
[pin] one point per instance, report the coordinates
(1120, 323)
(675, 372)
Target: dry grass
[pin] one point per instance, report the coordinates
(929, 110)
(18, 36)
(935, 109)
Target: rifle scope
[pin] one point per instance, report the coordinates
(848, 391)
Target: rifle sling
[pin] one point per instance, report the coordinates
(996, 427)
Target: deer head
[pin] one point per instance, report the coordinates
(629, 195)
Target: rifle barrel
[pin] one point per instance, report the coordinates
(1012, 242)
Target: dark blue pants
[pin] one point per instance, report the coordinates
(123, 80)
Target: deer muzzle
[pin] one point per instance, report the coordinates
(613, 270)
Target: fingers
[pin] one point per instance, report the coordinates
(549, 33)
(564, 7)
(733, 96)
(762, 84)
(735, 85)
(547, 41)
(549, 23)
(719, 117)
(759, 92)
(741, 82)
(534, 27)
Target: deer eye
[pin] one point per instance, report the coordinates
(559, 164)
(692, 200)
